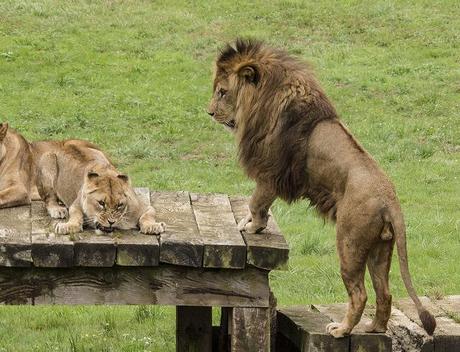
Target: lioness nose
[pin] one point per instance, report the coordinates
(210, 113)
(111, 222)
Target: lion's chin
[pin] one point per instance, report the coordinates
(230, 125)
(104, 228)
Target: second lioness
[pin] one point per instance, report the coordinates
(79, 175)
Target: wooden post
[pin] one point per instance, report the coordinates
(193, 329)
(250, 328)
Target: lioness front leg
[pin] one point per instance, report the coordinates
(148, 225)
(261, 200)
(46, 180)
(75, 222)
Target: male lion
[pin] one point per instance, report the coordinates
(15, 168)
(78, 174)
(291, 142)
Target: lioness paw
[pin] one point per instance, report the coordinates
(64, 228)
(153, 228)
(58, 212)
(244, 221)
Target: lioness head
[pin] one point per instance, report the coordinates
(105, 198)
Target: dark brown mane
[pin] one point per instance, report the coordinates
(279, 113)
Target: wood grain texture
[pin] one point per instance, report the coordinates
(360, 341)
(170, 285)
(193, 329)
(306, 330)
(93, 250)
(136, 249)
(266, 250)
(15, 240)
(181, 243)
(48, 249)
(250, 329)
(224, 246)
(447, 334)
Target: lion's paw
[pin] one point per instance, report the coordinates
(153, 228)
(64, 228)
(336, 329)
(58, 212)
(373, 327)
(244, 221)
(253, 228)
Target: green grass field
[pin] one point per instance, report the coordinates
(135, 77)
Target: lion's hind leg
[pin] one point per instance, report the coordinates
(353, 257)
(379, 263)
(46, 181)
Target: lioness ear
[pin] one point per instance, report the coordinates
(92, 175)
(123, 177)
(249, 72)
(3, 130)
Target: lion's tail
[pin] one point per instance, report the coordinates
(397, 221)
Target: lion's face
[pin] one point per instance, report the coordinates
(222, 105)
(105, 200)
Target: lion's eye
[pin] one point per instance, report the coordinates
(101, 203)
(120, 206)
(221, 93)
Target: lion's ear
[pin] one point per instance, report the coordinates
(123, 177)
(249, 72)
(92, 175)
(3, 130)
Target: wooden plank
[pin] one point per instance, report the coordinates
(250, 330)
(15, 241)
(447, 334)
(166, 284)
(306, 330)
(93, 250)
(450, 305)
(407, 335)
(266, 250)
(134, 248)
(360, 341)
(224, 246)
(48, 249)
(181, 243)
(193, 329)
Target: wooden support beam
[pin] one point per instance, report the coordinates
(166, 284)
(193, 329)
(250, 330)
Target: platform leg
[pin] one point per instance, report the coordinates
(250, 330)
(193, 329)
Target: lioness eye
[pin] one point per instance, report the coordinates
(221, 93)
(101, 203)
(120, 206)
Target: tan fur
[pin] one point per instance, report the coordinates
(291, 142)
(78, 176)
(15, 168)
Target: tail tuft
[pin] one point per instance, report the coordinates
(428, 321)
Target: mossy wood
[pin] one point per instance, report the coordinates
(201, 231)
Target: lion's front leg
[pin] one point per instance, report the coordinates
(261, 200)
(148, 225)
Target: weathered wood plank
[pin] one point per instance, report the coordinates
(266, 250)
(48, 249)
(15, 241)
(224, 246)
(166, 284)
(306, 329)
(181, 243)
(450, 305)
(193, 329)
(406, 335)
(250, 330)
(360, 341)
(447, 334)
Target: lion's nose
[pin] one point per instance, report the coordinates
(111, 222)
(210, 113)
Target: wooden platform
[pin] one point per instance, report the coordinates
(302, 328)
(201, 233)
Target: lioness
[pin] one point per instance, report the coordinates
(292, 143)
(15, 168)
(79, 174)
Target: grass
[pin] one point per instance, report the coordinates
(135, 78)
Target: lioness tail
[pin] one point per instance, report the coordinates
(395, 217)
